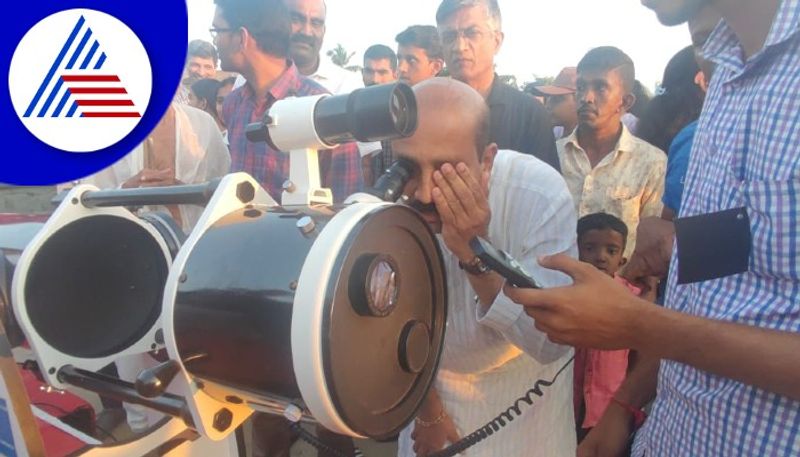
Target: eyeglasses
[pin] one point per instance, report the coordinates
(472, 34)
(214, 31)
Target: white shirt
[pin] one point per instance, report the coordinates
(200, 155)
(335, 78)
(489, 360)
(628, 183)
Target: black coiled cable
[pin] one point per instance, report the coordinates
(500, 421)
(470, 440)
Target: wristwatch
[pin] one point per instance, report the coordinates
(474, 267)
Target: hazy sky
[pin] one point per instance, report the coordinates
(541, 36)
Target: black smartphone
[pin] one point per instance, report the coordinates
(502, 263)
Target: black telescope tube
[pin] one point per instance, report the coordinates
(124, 391)
(375, 113)
(188, 194)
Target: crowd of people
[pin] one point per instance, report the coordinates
(614, 203)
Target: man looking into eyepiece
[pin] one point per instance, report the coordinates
(464, 187)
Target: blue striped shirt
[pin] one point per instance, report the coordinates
(746, 153)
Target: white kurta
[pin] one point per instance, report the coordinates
(200, 155)
(491, 360)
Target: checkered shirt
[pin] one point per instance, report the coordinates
(340, 168)
(746, 153)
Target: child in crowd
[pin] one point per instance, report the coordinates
(598, 374)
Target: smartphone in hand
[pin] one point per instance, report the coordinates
(502, 263)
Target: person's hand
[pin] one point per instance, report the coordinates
(462, 201)
(151, 178)
(609, 438)
(433, 438)
(650, 258)
(595, 312)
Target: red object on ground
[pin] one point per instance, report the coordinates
(57, 442)
(14, 218)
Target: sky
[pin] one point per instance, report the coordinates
(541, 36)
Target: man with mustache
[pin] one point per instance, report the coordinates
(471, 32)
(308, 32)
(201, 62)
(465, 187)
(606, 168)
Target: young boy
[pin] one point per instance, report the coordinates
(598, 374)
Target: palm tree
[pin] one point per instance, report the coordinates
(340, 56)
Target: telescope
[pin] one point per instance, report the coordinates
(325, 313)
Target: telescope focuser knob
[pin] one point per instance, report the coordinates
(306, 225)
(153, 382)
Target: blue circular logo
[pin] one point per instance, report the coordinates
(87, 82)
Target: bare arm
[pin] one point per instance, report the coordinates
(610, 436)
(433, 427)
(767, 359)
(600, 313)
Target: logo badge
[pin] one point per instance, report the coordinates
(80, 80)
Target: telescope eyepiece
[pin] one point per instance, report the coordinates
(391, 183)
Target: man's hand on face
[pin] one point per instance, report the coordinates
(462, 201)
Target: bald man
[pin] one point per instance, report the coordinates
(465, 187)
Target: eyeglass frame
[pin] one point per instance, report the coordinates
(215, 31)
(448, 37)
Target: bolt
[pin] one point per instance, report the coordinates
(289, 186)
(245, 192)
(234, 399)
(223, 419)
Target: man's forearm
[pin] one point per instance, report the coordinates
(486, 287)
(639, 387)
(432, 405)
(767, 359)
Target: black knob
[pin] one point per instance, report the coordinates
(153, 382)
